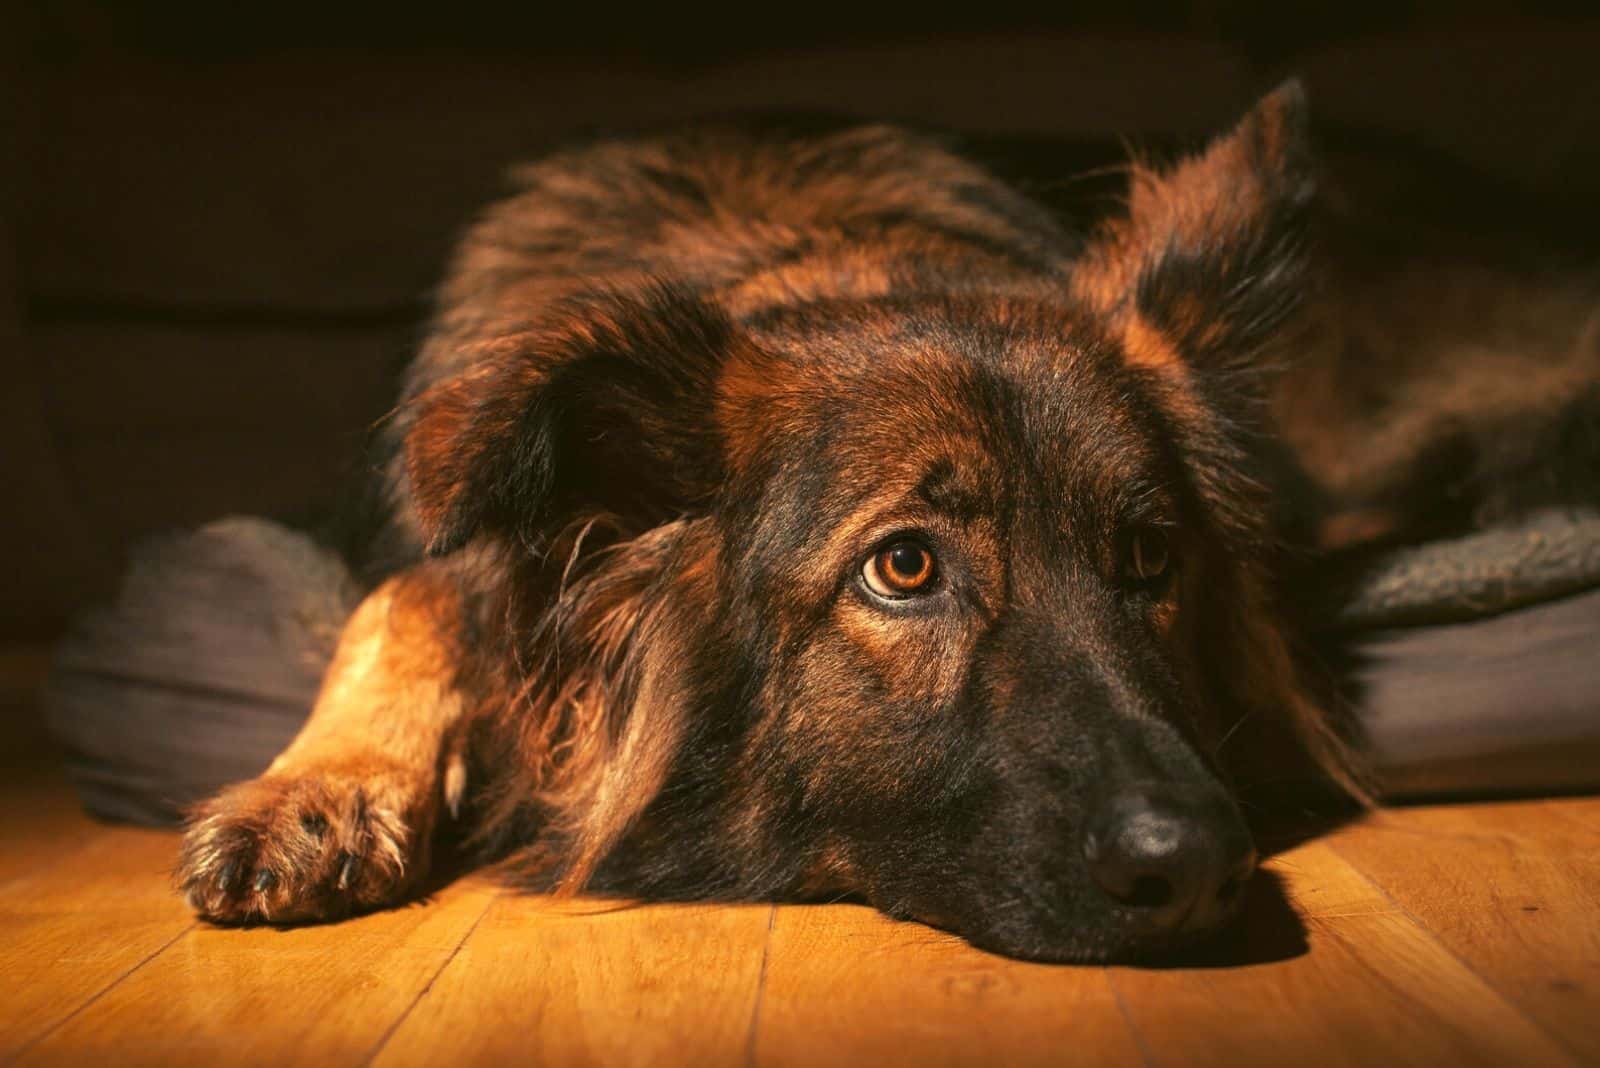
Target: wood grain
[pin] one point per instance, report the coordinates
(51, 832)
(314, 995)
(46, 825)
(1462, 935)
(590, 982)
(845, 985)
(1510, 890)
(79, 925)
(1371, 987)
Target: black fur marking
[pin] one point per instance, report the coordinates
(946, 491)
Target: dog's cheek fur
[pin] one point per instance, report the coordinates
(594, 703)
(1231, 637)
(867, 715)
(560, 456)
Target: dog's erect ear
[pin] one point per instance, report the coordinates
(1208, 261)
(607, 408)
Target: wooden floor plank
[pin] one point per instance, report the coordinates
(77, 926)
(1463, 934)
(44, 820)
(315, 995)
(586, 982)
(846, 985)
(1512, 890)
(1370, 988)
(45, 826)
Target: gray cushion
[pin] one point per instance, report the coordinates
(1473, 663)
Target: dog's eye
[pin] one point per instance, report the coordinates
(1149, 556)
(899, 569)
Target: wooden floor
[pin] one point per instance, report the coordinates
(1429, 936)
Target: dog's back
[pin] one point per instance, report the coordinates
(1449, 372)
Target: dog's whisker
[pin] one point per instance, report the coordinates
(1231, 731)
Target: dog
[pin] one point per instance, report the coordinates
(777, 515)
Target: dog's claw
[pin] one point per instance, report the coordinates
(295, 850)
(226, 876)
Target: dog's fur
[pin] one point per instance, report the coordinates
(679, 394)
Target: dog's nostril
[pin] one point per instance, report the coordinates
(1178, 861)
(1150, 892)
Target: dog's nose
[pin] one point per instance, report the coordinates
(1178, 864)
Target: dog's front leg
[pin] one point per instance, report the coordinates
(343, 820)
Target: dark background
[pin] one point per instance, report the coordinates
(218, 229)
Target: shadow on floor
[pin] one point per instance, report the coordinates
(1267, 931)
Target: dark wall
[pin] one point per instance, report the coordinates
(217, 236)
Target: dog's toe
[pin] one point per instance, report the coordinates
(226, 877)
(348, 871)
(302, 849)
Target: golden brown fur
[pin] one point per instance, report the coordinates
(344, 818)
(678, 386)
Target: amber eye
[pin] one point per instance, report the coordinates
(1149, 556)
(899, 569)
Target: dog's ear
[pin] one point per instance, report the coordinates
(1208, 261)
(606, 408)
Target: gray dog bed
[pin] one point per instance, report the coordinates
(1474, 664)
(201, 670)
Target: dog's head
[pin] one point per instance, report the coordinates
(948, 602)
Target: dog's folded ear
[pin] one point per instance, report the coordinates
(604, 407)
(1208, 261)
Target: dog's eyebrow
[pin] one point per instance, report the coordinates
(1146, 501)
(945, 491)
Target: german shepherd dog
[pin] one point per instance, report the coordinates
(773, 515)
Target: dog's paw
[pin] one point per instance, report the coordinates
(299, 848)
